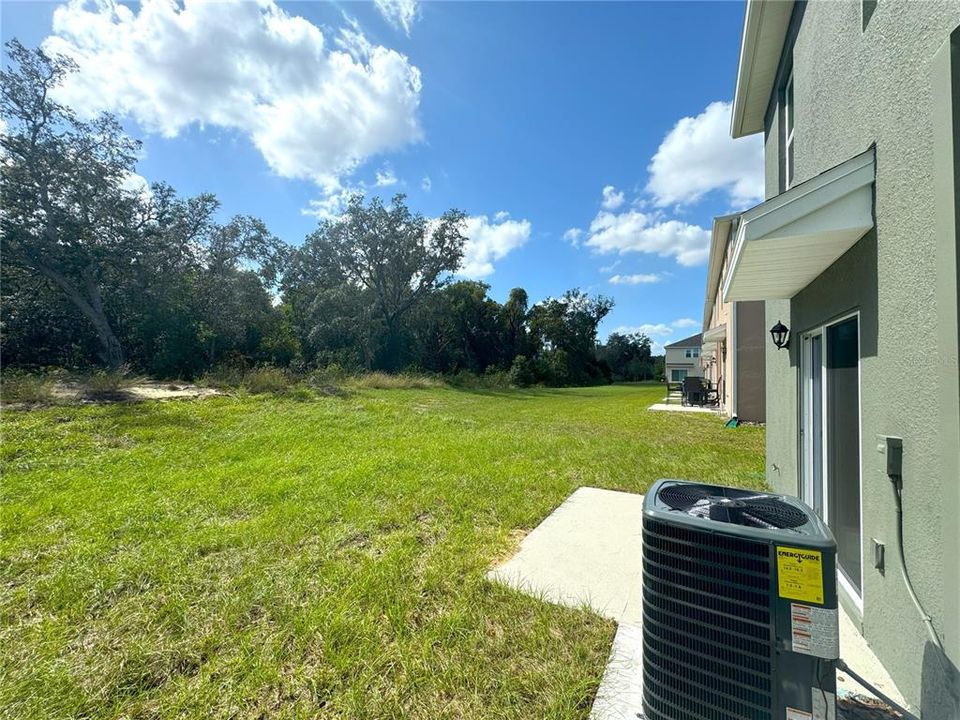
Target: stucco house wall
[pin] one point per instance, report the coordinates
(751, 340)
(738, 360)
(855, 87)
(675, 357)
(720, 370)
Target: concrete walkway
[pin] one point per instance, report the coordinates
(588, 553)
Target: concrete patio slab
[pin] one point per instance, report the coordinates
(858, 655)
(683, 408)
(588, 552)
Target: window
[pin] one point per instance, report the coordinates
(866, 12)
(692, 353)
(677, 375)
(788, 120)
(830, 467)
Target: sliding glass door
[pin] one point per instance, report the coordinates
(830, 438)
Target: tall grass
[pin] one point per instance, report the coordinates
(377, 380)
(26, 388)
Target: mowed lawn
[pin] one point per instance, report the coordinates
(270, 557)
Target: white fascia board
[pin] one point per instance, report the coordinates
(764, 32)
(718, 251)
(782, 244)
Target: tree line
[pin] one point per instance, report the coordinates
(98, 270)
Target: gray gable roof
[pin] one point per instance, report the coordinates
(692, 341)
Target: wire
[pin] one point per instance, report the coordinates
(927, 620)
(826, 704)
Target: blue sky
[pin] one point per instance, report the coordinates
(588, 142)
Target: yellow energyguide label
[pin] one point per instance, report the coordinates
(800, 574)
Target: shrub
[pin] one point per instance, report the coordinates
(21, 387)
(108, 384)
(262, 379)
(267, 379)
(521, 372)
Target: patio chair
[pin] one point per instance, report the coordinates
(713, 393)
(693, 391)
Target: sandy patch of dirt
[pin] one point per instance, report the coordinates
(148, 390)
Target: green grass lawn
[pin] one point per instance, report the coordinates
(271, 557)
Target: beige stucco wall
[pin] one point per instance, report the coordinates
(676, 358)
(738, 366)
(720, 371)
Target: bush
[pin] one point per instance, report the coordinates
(21, 387)
(104, 382)
(267, 379)
(521, 372)
(263, 379)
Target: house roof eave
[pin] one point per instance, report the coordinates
(765, 26)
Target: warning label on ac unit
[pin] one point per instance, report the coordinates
(814, 631)
(800, 574)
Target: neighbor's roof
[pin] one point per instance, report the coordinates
(764, 32)
(692, 341)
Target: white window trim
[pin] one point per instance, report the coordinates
(789, 130)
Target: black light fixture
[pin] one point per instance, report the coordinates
(780, 334)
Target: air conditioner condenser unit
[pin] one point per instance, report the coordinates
(739, 606)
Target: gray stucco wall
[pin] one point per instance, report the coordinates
(855, 88)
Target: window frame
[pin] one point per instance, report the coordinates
(789, 130)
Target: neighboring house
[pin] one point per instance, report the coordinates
(734, 333)
(682, 359)
(856, 251)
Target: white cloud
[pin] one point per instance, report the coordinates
(313, 111)
(490, 241)
(640, 279)
(137, 185)
(426, 183)
(611, 198)
(573, 235)
(698, 156)
(611, 266)
(386, 178)
(399, 13)
(634, 231)
(649, 329)
(685, 323)
(501, 216)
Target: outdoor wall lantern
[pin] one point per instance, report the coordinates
(780, 334)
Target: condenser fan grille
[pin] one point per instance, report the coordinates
(732, 505)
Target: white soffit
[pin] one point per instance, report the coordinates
(715, 334)
(783, 244)
(764, 31)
